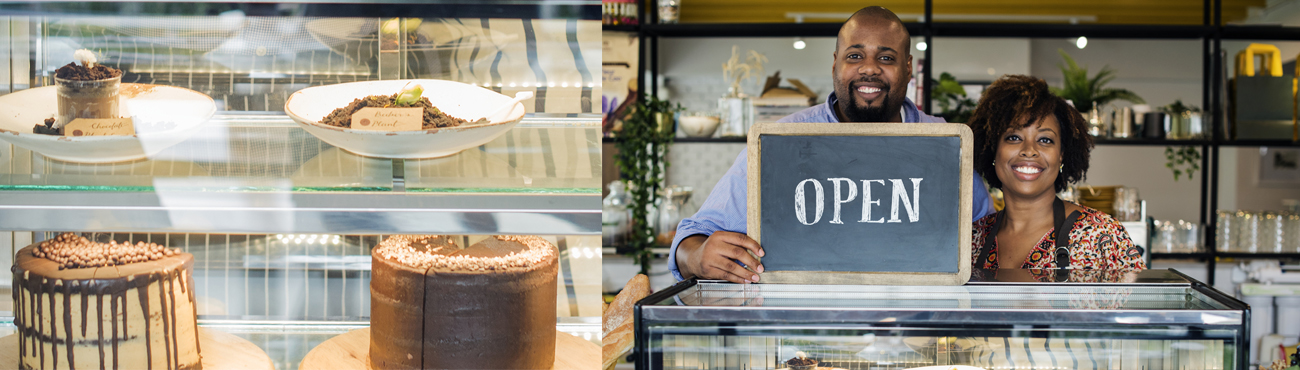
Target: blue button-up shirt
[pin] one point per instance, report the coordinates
(726, 208)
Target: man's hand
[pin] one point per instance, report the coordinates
(714, 257)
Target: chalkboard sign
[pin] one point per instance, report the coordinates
(861, 203)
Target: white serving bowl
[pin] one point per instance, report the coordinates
(358, 39)
(698, 125)
(147, 104)
(308, 106)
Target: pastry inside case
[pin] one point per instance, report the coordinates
(901, 349)
(1149, 319)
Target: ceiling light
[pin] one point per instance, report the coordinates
(1081, 42)
(799, 44)
(921, 46)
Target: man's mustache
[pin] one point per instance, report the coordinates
(884, 84)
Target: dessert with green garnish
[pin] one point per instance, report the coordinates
(407, 98)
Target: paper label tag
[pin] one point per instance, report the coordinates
(388, 119)
(99, 127)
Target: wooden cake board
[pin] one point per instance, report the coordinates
(219, 351)
(351, 351)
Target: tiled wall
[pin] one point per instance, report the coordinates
(699, 166)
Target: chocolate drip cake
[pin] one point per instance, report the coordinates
(437, 304)
(85, 305)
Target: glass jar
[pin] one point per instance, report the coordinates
(1127, 205)
(671, 213)
(669, 10)
(614, 215)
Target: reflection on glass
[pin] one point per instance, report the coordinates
(254, 63)
(903, 349)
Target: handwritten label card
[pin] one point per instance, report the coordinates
(388, 119)
(99, 127)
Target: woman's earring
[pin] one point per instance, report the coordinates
(1062, 167)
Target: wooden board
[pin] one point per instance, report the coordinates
(219, 351)
(351, 351)
(816, 227)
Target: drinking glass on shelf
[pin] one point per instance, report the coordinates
(1127, 205)
(1189, 234)
(1225, 234)
(1291, 233)
(1270, 233)
(1163, 240)
(1247, 232)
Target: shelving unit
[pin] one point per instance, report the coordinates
(1211, 33)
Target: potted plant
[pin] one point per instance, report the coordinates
(642, 157)
(954, 106)
(1089, 94)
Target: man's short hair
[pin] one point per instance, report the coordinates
(877, 12)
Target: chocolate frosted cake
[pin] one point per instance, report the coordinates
(85, 305)
(437, 304)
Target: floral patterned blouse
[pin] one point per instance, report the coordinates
(1097, 241)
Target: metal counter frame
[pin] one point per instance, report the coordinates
(1211, 310)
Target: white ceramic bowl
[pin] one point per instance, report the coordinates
(358, 39)
(698, 126)
(148, 105)
(308, 106)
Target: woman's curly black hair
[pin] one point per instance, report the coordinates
(1016, 101)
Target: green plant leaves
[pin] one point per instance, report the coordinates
(951, 99)
(1185, 159)
(641, 158)
(1087, 93)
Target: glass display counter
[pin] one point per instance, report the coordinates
(1007, 319)
(280, 221)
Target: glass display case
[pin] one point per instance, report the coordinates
(1007, 319)
(280, 221)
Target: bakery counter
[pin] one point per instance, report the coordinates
(265, 174)
(1006, 319)
(287, 342)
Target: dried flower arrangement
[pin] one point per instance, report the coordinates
(733, 71)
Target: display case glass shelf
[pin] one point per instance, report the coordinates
(545, 169)
(1002, 319)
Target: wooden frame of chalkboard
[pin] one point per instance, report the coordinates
(941, 273)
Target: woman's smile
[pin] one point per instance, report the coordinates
(1027, 171)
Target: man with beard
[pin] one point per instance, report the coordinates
(871, 69)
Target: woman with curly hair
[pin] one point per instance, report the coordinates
(1031, 144)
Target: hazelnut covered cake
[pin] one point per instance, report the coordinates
(439, 304)
(79, 304)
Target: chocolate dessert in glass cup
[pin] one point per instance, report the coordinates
(88, 90)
